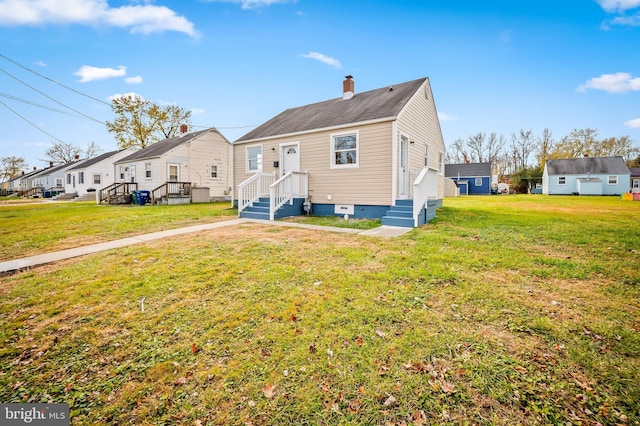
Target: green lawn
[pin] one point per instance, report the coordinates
(505, 310)
(34, 227)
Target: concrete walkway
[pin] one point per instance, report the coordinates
(41, 259)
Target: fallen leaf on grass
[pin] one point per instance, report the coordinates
(269, 391)
(419, 418)
(181, 381)
(446, 386)
(390, 401)
(359, 341)
(521, 370)
(195, 349)
(380, 333)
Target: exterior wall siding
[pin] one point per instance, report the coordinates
(551, 186)
(194, 160)
(419, 121)
(368, 184)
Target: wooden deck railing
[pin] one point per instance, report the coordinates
(169, 190)
(116, 192)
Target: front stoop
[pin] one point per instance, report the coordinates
(400, 214)
(259, 210)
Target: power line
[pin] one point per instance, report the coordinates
(28, 102)
(34, 125)
(49, 97)
(54, 81)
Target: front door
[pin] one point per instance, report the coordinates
(404, 174)
(130, 174)
(290, 158)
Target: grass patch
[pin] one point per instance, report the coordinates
(496, 313)
(336, 221)
(35, 227)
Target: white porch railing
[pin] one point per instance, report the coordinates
(253, 188)
(290, 186)
(425, 187)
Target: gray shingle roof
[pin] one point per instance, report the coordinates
(635, 171)
(371, 105)
(585, 165)
(94, 160)
(467, 170)
(162, 147)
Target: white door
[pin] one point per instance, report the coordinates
(290, 158)
(130, 174)
(404, 174)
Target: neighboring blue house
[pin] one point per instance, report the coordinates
(586, 176)
(471, 178)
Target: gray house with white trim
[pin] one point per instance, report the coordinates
(586, 176)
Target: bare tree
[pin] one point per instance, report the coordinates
(11, 167)
(494, 148)
(545, 147)
(524, 145)
(457, 152)
(476, 147)
(62, 153)
(93, 150)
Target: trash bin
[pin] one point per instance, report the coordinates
(144, 197)
(135, 197)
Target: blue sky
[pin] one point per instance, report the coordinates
(494, 65)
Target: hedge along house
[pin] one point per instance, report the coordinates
(471, 178)
(376, 154)
(586, 176)
(170, 168)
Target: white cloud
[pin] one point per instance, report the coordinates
(88, 73)
(254, 4)
(197, 111)
(445, 117)
(144, 19)
(618, 5)
(324, 59)
(41, 64)
(635, 124)
(124, 95)
(133, 80)
(613, 83)
(620, 8)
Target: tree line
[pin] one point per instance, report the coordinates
(522, 156)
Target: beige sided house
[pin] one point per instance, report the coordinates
(169, 169)
(376, 154)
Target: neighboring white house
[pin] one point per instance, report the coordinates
(635, 179)
(199, 159)
(52, 179)
(375, 154)
(586, 176)
(95, 173)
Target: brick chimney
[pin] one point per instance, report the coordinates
(77, 157)
(184, 129)
(50, 163)
(348, 88)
